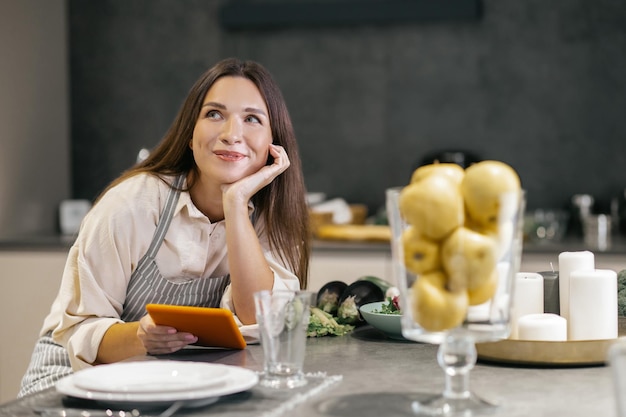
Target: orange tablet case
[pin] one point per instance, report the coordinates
(215, 327)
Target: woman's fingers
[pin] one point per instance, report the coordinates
(162, 339)
(281, 160)
(167, 342)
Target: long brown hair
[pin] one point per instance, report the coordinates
(281, 204)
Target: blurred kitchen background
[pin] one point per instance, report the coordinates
(541, 85)
(373, 90)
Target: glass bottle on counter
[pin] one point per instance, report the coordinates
(620, 212)
(582, 206)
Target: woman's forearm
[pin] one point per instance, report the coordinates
(120, 342)
(249, 270)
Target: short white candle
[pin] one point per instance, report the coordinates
(527, 298)
(547, 327)
(568, 262)
(593, 305)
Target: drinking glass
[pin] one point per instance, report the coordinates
(283, 318)
(487, 321)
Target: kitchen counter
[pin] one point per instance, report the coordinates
(379, 374)
(38, 262)
(618, 246)
(37, 243)
(63, 243)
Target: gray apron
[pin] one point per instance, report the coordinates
(50, 361)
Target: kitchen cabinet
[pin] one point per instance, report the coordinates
(347, 266)
(349, 261)
(30, 281)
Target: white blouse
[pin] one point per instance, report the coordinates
(113, 237)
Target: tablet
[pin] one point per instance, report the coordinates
(214, 327)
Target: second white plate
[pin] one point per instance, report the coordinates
(150, 377)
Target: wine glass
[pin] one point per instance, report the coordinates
(484, 321)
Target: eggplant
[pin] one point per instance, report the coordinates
(388, 289)
(354, 296)
(328, 296)
(384, 285)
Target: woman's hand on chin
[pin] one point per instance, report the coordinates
(243, 189)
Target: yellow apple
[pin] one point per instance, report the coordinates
(484, 292)
(434, 307)
(503, 234)
(420, 253)
(491, 191)
(452, 171)
(433, 205)
(468, 258)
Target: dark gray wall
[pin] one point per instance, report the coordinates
(538, 84)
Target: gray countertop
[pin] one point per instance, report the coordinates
(380, 375)
(376, 370)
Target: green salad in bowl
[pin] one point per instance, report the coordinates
(384, 316)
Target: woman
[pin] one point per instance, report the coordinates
(214, 214)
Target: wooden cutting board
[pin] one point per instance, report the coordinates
(354, 232)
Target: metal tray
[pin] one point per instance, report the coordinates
(540, 353)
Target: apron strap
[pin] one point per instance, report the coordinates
(164, 220)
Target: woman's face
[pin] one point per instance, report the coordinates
(232, 135)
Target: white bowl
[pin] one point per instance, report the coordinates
(387, 323)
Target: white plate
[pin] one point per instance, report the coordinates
(237, 380)
(152, 376)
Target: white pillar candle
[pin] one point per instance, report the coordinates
(568, 262)
(547, 327)
(593, 305)
(527, 298)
